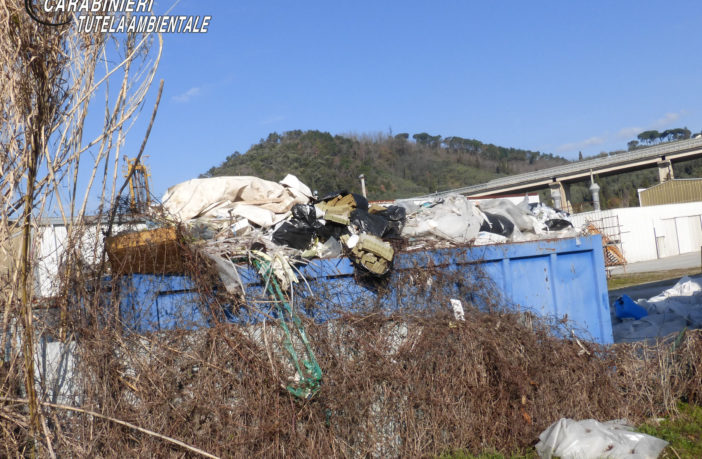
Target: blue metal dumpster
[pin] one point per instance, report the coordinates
(159, 302)
(559, 278)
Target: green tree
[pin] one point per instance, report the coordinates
(422, 138)
(648, 137)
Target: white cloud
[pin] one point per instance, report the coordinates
(665, 120)
(187, 95)
(579, 145)
(629, 132)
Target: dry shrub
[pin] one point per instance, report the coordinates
(50, 77)
(393, 386)
(655, 377)
(412, 382)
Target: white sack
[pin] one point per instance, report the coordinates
(455, 219)
(685, 291)
(590, 439)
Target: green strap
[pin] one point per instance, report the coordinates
(311, 377)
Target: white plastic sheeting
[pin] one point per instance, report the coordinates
(262, 202)
(590, 439)
(518, 215)
(485, 238)
(668, 312)
(455, 219)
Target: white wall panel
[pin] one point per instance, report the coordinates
(51, 243)
(667, 244)
(637, 224)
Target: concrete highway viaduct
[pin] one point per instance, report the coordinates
(554, 178)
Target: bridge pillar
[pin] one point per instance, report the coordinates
(665, 171)
(565, 192)
(555, 188)
(561, 197)
(595, 190)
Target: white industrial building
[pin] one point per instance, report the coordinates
(651, 232)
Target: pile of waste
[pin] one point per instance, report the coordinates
(284, 220)
(673, 310)
(457, 220)
(285, 223)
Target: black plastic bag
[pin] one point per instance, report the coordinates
(331, 229)
(396, 216)
(393, 213)
(557, 224)
(369, 223)
(306, 213)
(361, 202)
(497, 224)
(294, 233)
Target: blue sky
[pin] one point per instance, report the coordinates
(558, 77)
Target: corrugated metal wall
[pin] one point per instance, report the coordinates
(672, 192)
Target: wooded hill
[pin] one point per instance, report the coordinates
(397, 166)
(394, 166)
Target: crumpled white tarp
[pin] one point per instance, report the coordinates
(262, 202)
(686, 291)
(455, 219)
(522, 219)
(670, 311)
(590, 439)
